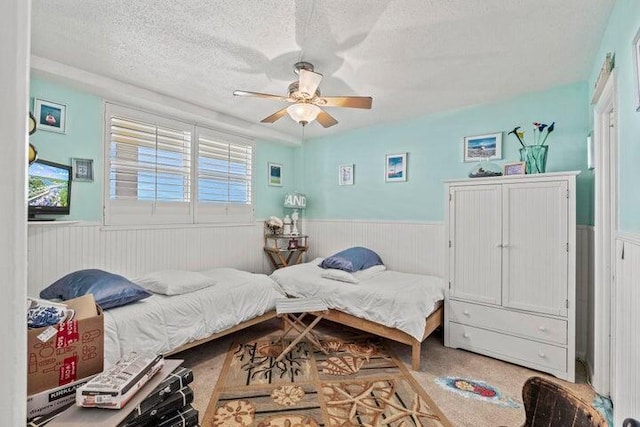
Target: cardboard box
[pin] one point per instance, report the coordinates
(62, 354)
(51, 400)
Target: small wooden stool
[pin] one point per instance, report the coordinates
(288, 309)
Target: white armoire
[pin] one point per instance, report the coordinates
(510, 269)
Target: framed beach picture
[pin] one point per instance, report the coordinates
(395, 167)
(50, 116)
(345, 174)
(481, 147)
(517, 168)
(275, 174)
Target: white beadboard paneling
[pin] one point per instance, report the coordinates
(584, 291)
(55, 250)
(404, 246)
(626, 340)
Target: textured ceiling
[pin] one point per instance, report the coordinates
(414, 57)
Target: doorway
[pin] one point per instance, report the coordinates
(606, 224)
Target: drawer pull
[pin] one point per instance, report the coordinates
(542, 329)
(466, 313)
(542, 355)
(466, 335)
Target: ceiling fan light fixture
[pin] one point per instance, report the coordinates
(303, 112)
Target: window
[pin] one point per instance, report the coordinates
(151, 179)
(224, 177)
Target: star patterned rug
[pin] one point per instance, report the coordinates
(358, 383)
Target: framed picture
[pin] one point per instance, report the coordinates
(275, 174)
(517, 168)
(345, 175)
(481, 147)
(50, 116)
(82, 170)
(636, 49)
(395, 167)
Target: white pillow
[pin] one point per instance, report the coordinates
(341, 275)
(174, 282)
(368, 273)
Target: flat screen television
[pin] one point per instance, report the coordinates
(49, 189)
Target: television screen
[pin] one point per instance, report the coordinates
(49, 188)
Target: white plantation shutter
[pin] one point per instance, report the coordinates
(224, 177)
(157, 174)
(149, 175)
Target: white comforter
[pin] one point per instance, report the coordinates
(163, 323)
(398, 300)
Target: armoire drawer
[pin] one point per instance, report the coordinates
(514, 349)
(500, 319)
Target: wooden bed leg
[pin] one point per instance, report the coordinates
(415, 356)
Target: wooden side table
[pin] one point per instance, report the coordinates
(285, 249)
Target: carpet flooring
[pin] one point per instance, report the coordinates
(489, 393)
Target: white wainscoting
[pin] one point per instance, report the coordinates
(584, 290)
(55, 250)
(404, 246)
(626, 339)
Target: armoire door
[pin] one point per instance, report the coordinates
(475, 243)
(535, 246)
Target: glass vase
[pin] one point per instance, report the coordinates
(535, 157)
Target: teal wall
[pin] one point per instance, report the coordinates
(83, 139)
(84, 136)
(270, 199)
(434, 147)
(624, 23)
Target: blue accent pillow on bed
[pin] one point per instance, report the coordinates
(109, 290)
(352, 259)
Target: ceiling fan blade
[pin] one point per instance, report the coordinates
(326, 120)
(309, 82)
(346, 101)
(275, 116)
(261, 95)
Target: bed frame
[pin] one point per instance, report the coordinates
(247, 323)
(434, 320)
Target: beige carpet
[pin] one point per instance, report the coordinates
(207, 361)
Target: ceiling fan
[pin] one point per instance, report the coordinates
(306, 100)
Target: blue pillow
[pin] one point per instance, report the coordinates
(109, 290)
(352, 259)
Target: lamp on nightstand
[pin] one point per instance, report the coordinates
(295, 201)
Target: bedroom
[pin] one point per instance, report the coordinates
(335, 218)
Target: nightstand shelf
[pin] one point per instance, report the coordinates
(284, 250)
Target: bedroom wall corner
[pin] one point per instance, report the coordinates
(14, 81)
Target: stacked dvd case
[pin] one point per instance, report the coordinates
(113, 388)
(167, 405)
(172, 396)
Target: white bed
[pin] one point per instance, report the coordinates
(401, 306)
(165, 324)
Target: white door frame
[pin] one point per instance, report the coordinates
(606, 223)
(15, 45)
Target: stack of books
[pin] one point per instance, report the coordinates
(113, 388)
(167, 405)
